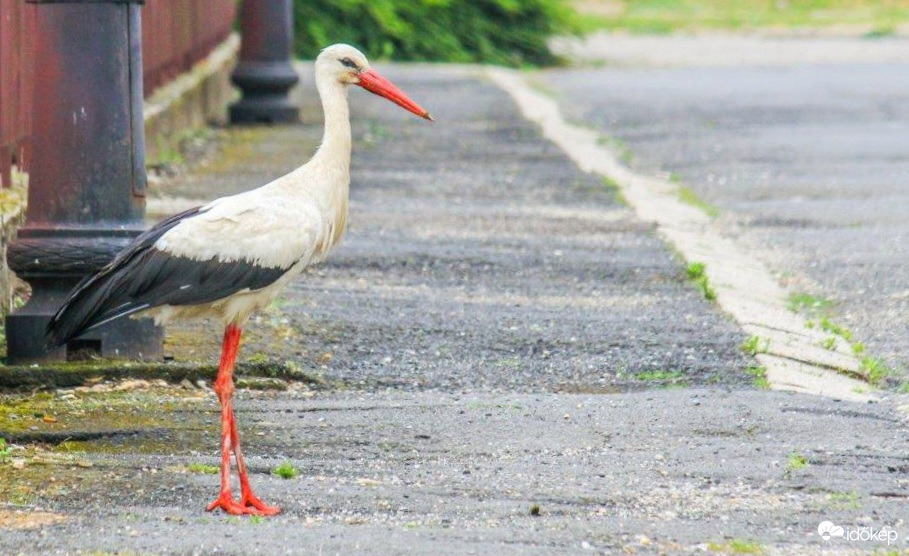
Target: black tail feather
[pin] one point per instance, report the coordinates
(143, 277)
(80, 311)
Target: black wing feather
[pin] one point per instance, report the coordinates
(141, 277)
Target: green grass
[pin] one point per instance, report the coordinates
(689, 197)
(829, 326)
(755, 345)
(659, 376)
(874, 369)
(619, 146)
(736, 546)
(666, 16)
(697, 272)
(759, 375)
(796, 461)
(802, 302)
(4, 451)
(844, 500)
(203, 468)
(286, 470)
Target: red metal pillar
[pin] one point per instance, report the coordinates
(265, 73)
(86, 197)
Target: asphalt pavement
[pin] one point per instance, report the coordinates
(807, 163)
(505, 361)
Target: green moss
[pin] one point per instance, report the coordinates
(203, 468)
(755, 345)
(829, 326)
(736, 546)
(72, 374)
(689, 197)
(87, 415)
(286, 470)
(659, 376)
(697, 272)
(874, 370)
(759, 375)
(796, 461)
(805, 302)
(844, 500)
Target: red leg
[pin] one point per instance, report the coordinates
(224, 388)
(247, 498)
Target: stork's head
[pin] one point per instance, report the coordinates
(348, 66)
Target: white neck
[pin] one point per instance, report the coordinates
(336, 142)
(327, 174)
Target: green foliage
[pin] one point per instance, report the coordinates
(504, 32)
(666, 16)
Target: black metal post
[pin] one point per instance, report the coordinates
(86, 197)
(265, 73)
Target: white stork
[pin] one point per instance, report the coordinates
(234, 255)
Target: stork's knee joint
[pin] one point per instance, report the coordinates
(224, 388)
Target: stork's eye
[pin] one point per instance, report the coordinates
(349, 63)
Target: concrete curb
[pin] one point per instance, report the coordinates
(744, 288)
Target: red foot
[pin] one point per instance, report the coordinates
(251, 502)
(227, 505)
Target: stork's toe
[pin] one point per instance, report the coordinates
(228, 505)
(251, 501)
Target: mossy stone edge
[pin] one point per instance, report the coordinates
(70, 375)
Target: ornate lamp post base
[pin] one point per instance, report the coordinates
(265, 86)
(86, 197)
(265, 73)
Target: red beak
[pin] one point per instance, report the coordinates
(373, 82)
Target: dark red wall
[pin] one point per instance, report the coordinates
(175, 35)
